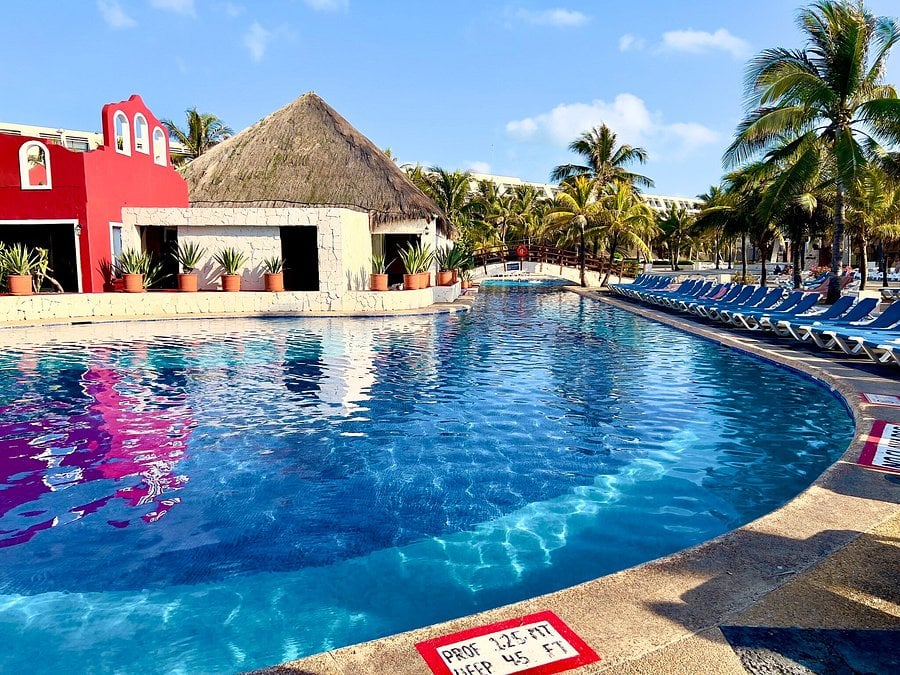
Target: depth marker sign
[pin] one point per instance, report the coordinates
(882, 449)
(881, 399)
(537, 644)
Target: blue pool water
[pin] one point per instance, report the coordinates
(223, 495)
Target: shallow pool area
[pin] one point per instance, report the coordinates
(218, 496)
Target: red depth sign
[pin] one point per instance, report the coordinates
(537, 644)
(882, 448)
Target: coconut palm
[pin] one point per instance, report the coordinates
(203, 131)
(833, 88)
(674, 226)
(574, 210)
(450, 191)
(710, 222)
(605, 162)
(873, 213)
(625, 220)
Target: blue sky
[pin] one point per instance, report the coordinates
(482, 85)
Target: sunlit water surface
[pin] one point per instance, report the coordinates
(222, 495)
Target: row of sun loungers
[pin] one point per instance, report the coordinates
(854, 328)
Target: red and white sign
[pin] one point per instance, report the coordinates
(882, 449)
(881, 399)
(537, 644)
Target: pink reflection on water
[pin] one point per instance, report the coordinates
(119, 435)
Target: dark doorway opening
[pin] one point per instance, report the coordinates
(162, 244)
(300, 252)
(393, 244)
(59, 240)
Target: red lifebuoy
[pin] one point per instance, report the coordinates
(522, 251)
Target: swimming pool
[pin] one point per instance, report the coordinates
(216, 496)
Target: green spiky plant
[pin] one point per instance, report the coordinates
(230, 260)
(188, 255)
(273, 265)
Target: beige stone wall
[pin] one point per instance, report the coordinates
(343, 239)
(70, 306)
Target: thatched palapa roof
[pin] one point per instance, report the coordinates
(306, 154)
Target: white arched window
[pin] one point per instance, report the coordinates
(159, 147)
(34, 166)
(123, 133)
(141, 134)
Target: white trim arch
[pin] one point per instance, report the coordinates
(141, 134)
(122, 133)
(26, 166)
(159, 147)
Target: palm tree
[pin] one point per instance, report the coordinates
(796, 191)
(712, 217)
(203, 131)
(873, 212)
(604, 161)
(450, 190)
(832, 88)
(625, 220)
(574, 209)
(674, 225)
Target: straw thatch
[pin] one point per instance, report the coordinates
(306, 154)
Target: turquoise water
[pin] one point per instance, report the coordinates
(219, 496)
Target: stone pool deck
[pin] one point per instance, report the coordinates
(828, 559)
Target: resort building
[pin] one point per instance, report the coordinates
(57, 194)
(302, 184)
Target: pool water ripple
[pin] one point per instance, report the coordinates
(218, 496)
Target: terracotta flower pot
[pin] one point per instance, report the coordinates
(133, 283)
(378, 282)
(466, 284)
(445, 278)
(231, 283)
(455, 276)
(411, 282)
(187, 283)
(20, 284)
(424, 279)
(274, 283)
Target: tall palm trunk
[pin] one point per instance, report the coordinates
(744, 256)
(762, 273)
(612, 256)
(581, 225)
(837, 254)
(863, 262)
(796, 254)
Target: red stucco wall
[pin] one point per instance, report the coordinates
(92, 187)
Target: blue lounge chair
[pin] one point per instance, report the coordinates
(837, 315)
(883, 327)
(796, 303)
(769, 298)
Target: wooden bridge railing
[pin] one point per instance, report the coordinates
(552, 255)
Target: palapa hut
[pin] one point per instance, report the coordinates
(302, 184)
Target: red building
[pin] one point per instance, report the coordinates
(71, 202)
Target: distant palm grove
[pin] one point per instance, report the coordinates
(815, 159)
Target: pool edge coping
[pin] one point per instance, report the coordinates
(643, 609)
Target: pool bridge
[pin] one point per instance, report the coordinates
(523, 256)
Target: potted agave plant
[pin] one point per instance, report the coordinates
(444, 256)
(466, 279)
(416, 258)
(188, 256)
(459, 260)
(232, 263)
(19, 264)
(273, 274)
(133, 266)
(378, 279)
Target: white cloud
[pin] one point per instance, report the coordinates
(559, 18)
(477, 166)
(177, 6)
(699, 42)
(232, 10)
(327, 5)
(627, 115)
(257, 41)
(629, 42)
(114, 15)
